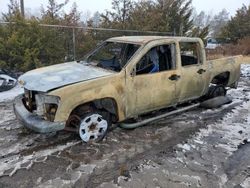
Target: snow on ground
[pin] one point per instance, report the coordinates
(206, 154)
(6, 115)
(245, 70)
(11, 94)
(233, 133)
(16, 162)
(246, 183)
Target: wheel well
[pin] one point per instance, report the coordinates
(106, 104)
(221, 79)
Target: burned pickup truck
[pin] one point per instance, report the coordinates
(122, 79)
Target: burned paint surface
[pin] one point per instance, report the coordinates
(146, 39)
(133, 94)
(147, 92)
(48, 78)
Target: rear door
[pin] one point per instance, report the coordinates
(193, 71)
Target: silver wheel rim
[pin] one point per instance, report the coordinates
(92, 127)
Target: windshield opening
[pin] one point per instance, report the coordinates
(112, 55)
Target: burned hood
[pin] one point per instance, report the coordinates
(56, 76)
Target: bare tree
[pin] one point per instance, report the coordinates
(218, 22)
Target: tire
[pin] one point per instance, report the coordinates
(216, 91)
(215, 102)
(94, 126)
(215, 97)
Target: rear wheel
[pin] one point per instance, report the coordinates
(216, 91)
(215, 97)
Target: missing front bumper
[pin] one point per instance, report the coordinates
(34, 122)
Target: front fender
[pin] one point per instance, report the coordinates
(74, 95)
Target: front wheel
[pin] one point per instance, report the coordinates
(93, 127)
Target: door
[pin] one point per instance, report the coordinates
(153, 83)
(191, 84)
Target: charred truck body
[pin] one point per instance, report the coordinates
(121, 79)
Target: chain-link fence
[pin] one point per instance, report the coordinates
(72, 42)
(25, 46)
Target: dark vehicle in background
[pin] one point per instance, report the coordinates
(8, 80)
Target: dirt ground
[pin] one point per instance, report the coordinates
(198, 148)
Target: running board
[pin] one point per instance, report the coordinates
(210, 103)
(141, 123)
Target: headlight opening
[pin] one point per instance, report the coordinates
(47, 106)
(50, 111)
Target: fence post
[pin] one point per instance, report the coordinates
(22, 8)
(74, 44)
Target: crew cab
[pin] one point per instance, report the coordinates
(122, 79)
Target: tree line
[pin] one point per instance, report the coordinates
(26, 44)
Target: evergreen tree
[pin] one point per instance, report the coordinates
(160, 15)
(52, 13)
(119, 17)
(239, 25)
(177, 14)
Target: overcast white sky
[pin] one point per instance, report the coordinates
(211, 6)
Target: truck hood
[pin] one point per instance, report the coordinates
(56, 76)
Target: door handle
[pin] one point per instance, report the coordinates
(174, 77)
(201, 71)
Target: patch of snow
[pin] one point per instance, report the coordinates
(58, 182)
(223, 180)
(122, 178)
(237, 96)
(199, 142)
(11, 94)
(185, 180)
(186, 147)
(15, 162)
(6, 115)
(245, 70)
(39, 180)
(180, 159)
(147, 164)
(86, 168)
(246, 183)
(229, 127)
(12, 150)
(108, 185)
